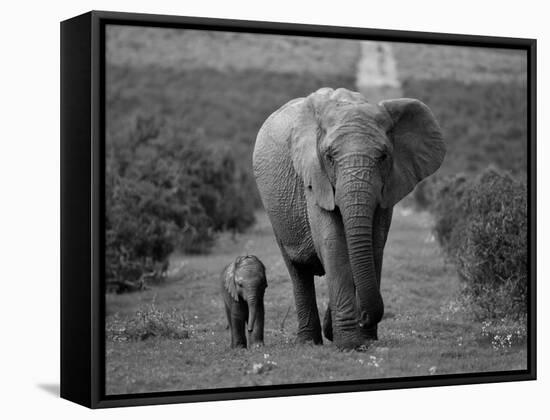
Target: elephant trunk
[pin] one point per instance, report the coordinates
(357, 201)
(252, 312)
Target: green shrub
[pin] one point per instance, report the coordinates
(481, 224)
(147, 323)
(446, 195)
(166, 192)
(423, 195)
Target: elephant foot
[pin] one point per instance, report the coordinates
(348, 340)
(238, 342)
(354, 338)
(369, 334)
(257, 344)
(238, 346)
(309, 338)
(349, 344)
(327, 325)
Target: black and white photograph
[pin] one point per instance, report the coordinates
(288, 209)
(275, 210)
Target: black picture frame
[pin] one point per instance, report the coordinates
(82, 207)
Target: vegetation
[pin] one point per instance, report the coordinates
(139, 47)
(148, 322)
(482, 123)
(173, 182)
(221, 109)
(481, 224)
(425, 330)
(163, 193)
(464, 64)
(480, 214)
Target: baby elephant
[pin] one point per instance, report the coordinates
(243, 286)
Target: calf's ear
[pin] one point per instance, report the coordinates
(229, 282)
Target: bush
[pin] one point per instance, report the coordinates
(481, 224)
(165, 192)
(504, 335)
(446, 195)
(423, 195)
(147, 323)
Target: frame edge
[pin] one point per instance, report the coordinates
(75, 159)
(91, 314)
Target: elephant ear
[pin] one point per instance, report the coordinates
(229, 281)
(418, 147)
(306, 133)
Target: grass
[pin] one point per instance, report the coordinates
(482, 123)
(465, 64)
(222, 110)
(146, 323)
(224, 107)
(139, 47)
(222, 96)
(424, 331)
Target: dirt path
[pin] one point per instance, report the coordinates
(377, 76)
(423, 331)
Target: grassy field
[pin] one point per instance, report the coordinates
(479, 97)
(139, 47)
(464, 64)
(424, 330)
(482, 123)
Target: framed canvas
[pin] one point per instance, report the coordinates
(256, 209)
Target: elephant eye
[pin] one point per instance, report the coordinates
(330, 158)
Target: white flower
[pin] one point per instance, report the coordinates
(257, 367)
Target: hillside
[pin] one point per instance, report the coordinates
(178, 49)
(220, 87)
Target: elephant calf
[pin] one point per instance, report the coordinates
(243, 286)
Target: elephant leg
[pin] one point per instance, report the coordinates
(256, 337)
(309, 325)
(340, 322)
(238, 334)
(381, 226)
(238, 317)
(327, 324)
(228, 315)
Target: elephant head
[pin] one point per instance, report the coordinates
(247, 281)
(354, 156)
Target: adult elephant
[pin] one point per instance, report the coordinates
(330, 168)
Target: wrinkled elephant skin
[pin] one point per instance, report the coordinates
(329, 168)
